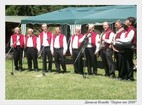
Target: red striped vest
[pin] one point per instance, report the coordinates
(79, 37)
(21, 38)
(134, 38)
(60, 40)
(34, 40)
(49, 36)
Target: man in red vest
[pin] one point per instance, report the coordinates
(17, 42)
(129, 42)
(119, 53)
(58, 49)
(91, 39)
(44, 46)
(31, 52)
(106, 51)
(74, 50)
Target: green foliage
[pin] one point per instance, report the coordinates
(67, 86)
(32, 10)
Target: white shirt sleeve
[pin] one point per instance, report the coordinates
(70, 46)
(11, 41)
(97, 43)
(122, 36)
(51, 46)
(128, 39)
(64, 45)
(38, 43)
(109, 41)
(82, 39)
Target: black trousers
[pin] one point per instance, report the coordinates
(17, 55)
(32, 55)
(91, 60)
(46, 53)
(78, 65)
(106, 55)
(59, 59)
(128, 53)
(121, 65)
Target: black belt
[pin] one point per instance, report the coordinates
(30, 47)
(46, 46)
(58, 48)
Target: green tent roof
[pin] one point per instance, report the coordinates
(84, 15)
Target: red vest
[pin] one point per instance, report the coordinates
(93, 38)
(119, 34)
(21, 38)
(34, 40)
(134, 38)
(107, 32)
(79, 37)
(60, 39)
(49, 36)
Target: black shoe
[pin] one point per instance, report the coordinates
(130, 80)
(36, 70)
(16, 68)
(90, 73)
(20, 69)
(106, 75)
(49, 71)
(95, 74)
(112, 76)
(119, 78)
(64, 71)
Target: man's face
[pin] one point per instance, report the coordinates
(127, 23)
(105, 26)
(17, 31)
(117, 25)
(91, 29)
(30, 32)
(44, 28)
(57, 30)
(77, 31)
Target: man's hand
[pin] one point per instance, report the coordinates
(52, 53)
(64, 53)
(71, 54)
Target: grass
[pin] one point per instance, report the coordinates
(69, 86)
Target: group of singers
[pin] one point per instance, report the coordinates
(55, 45)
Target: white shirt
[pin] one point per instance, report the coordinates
(109, 40)
(57, 44)
(89, 45)
(45, 39)
(128, 39)
(30, 42)
(74, 43)
(17, 42)
(122, 36)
